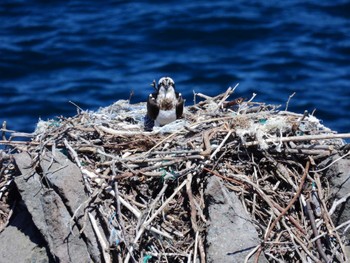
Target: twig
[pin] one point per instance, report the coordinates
(3, 133)
(251, 253)
(164, 140)
(195, 246)
(315, 232)
(5, 187)
(73, 153)
(74, 216)
(300, 242)
(333, 230)
(204, 96)
(160, 254)
(296, 196)
(338, 159)
(221, 144)
(125, 133)
(327, 217)
(103, 242)
(6, 142)
(302, 138)
(206, 142)
(146, 223)
(275, 207)
(338, 202)
(138, 214)
(289, 98)
(193, 218)
(76, 106)
(291, 203)
(228, 92)
(251, 99)
(119, 213)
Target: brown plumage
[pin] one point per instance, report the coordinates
(165, 105)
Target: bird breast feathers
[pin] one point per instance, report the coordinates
(167, 101)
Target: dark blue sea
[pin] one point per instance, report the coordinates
(93, 53)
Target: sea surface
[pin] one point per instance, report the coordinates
(58, 54)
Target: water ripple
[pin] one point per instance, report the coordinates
(95, 53)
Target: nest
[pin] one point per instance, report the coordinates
(148, 187)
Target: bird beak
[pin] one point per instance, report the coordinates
(166, 88)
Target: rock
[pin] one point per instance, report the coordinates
(338, 175)
(51, 198)
(21, 241)
(230, 235)
(66, 179)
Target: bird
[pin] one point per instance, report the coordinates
(165, 105)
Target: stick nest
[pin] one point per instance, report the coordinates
(148, 187)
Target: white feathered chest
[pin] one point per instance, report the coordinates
(165, 105)
(167, 108)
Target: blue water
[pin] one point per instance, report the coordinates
(96, 52)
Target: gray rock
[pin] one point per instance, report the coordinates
(52, 200)
(66, 179)
(230, 235)
(21, 241)
(338, 175)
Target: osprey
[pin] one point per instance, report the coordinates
(165, 105)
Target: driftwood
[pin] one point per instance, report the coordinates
(148, 186)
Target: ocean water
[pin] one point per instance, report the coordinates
(54, 54)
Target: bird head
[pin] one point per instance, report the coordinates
(166, 85)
